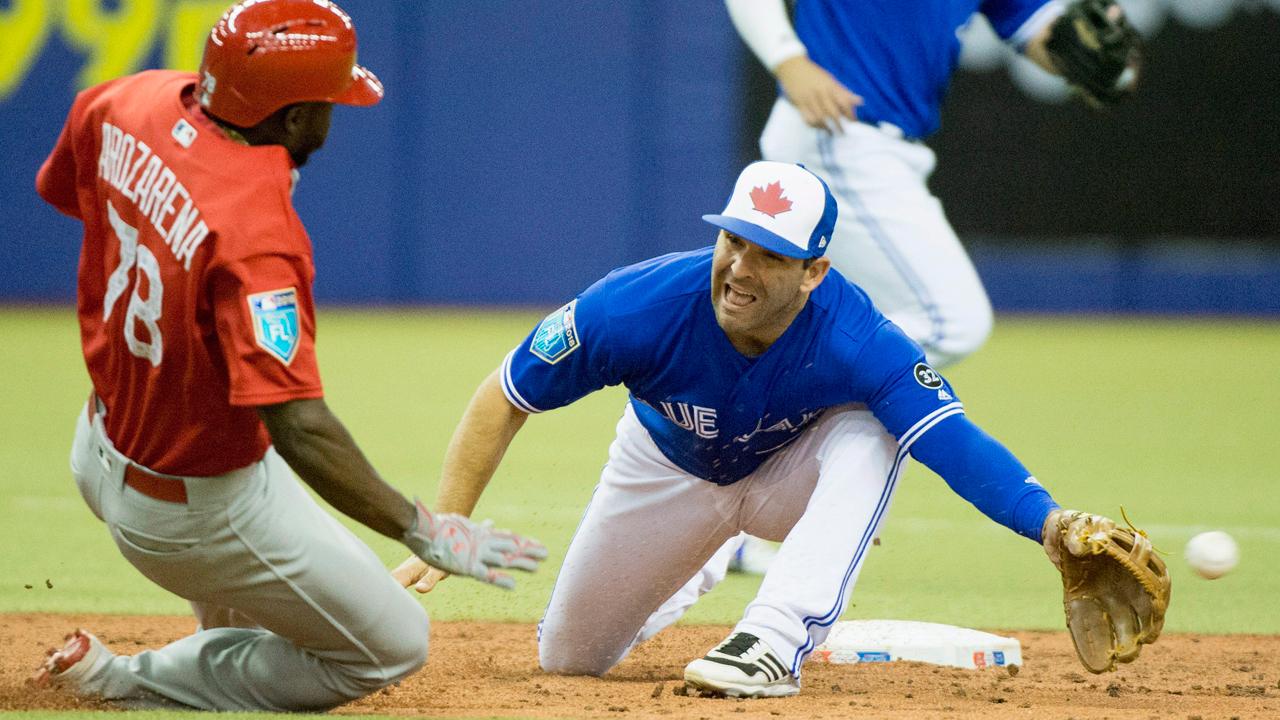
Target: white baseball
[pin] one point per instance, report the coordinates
(1212, 554)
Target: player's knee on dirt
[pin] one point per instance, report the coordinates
(409, 654)
(573, 666)
(579, 659)
(400, 646)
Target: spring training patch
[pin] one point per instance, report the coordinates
(275, 322)
(557, 336)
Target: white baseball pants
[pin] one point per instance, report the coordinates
(297, 614)
(892, 237)
(650, 528)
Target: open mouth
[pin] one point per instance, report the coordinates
(735, 298)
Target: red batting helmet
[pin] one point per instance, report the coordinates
(266, 54)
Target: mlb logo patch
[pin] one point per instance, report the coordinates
(275, 322)
(557, 337)
(184, 133)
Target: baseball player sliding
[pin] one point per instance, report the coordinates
(198, 328)
(768, 395)
(861, 86)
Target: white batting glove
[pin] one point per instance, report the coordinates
(458, 545)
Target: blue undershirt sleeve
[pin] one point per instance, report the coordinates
(981, 470)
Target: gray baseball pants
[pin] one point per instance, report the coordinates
(296, 613)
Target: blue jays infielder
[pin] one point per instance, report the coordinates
(861, 86)
(768, 395)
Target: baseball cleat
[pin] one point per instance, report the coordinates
(80, 657)
(742, 666)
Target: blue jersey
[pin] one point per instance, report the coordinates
(899, 54)
(712, 411)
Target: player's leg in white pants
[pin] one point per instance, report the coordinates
(252, 548)
(833, 490)
(892, 237)
(650, 529)
(706, 578)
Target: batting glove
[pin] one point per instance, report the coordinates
(458, 545)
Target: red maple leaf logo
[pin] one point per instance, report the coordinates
(769, 200)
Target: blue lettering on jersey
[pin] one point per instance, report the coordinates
(696, 419)
(557, 336)
(275, 322)
(786, 429)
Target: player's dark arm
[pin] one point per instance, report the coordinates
(981, 470)
(320, 450)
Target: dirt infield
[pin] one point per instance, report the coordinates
(488, 669)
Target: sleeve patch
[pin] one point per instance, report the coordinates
(275, 322)
(557, 337)
(928, 377)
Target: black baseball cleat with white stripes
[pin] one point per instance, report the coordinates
(742, 666)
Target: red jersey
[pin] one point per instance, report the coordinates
(195, 274)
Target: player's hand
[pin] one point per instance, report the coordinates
(430, 580)
(823, 102)
(457, 545)
(410, 571)
(1115, 586)
(413, 573)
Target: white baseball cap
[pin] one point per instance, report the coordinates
(782, 207)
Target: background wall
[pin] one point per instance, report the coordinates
(521, 150)
(524, 149)
(1165, 204)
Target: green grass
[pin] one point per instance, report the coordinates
(1172, 420)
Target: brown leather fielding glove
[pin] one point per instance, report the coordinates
(1115, 588)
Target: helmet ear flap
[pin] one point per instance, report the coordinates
(265, 54)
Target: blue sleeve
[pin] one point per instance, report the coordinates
(567, 356)
(981, 470)
(1019, 20)
(905, 394)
